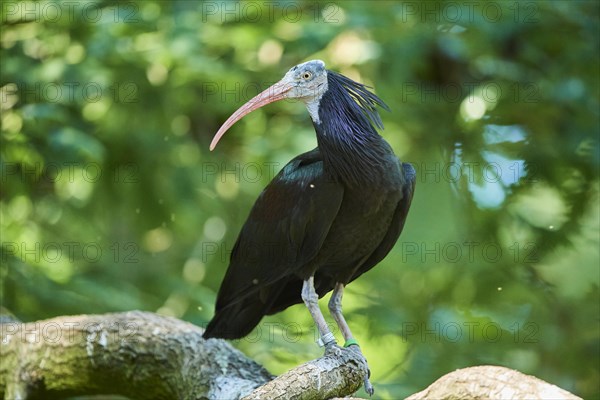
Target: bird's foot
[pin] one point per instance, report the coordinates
(367, 384)
(352, 345)
(332, 348)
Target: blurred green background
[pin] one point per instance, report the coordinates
(111, 201)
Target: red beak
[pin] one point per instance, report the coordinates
(274, 93)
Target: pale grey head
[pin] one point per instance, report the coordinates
(306, 82)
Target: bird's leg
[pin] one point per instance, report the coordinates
(311, 299)
(335, 308)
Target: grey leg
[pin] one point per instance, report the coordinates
(335, 308)
(311, 299)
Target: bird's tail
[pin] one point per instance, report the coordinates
(235, 321)
(237, 318)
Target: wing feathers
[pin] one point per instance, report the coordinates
(284, 231)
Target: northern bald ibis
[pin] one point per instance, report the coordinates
(329, 216)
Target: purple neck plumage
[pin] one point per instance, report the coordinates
(352, 150)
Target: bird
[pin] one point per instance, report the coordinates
(330, 215)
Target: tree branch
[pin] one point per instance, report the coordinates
(339, 373)
(136, 354)
(142, 355)
(491, 382)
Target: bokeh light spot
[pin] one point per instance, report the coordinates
(472, 108)
(194, 270)
(270, 52)
(157, 240)
(215, 228)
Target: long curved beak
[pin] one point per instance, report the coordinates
(274, 93)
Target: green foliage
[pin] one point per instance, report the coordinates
(110, 199)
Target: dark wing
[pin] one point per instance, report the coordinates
(285, 230)
(399, 218)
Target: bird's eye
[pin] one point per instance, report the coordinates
(306, 75)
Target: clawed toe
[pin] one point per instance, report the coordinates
(368, 387)
(367, 384)
(333, 349)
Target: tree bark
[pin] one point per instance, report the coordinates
(142, 355)
(491, 382)
(339, 373)
(135, 354)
